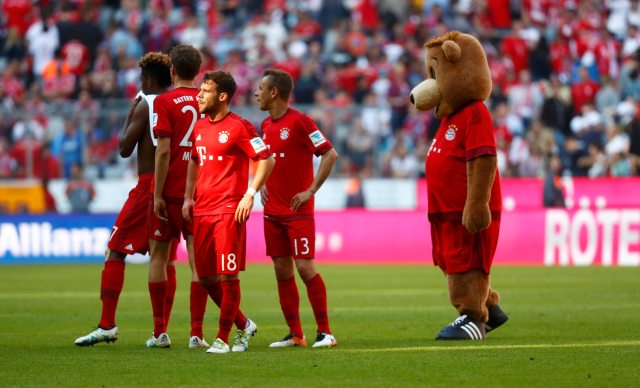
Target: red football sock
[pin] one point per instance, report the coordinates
(198, 303)
(317, 293)
(290, 304)
(229, 308)
(171, 293)
(110, 288)
(158, 293)
(215, 292)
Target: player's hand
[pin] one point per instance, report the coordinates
(244, 208)
(264, 196)
(187, 209)
(476, 217)
(160, 208)
(300, 199)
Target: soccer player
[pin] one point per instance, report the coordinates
(289, 226)
(219, 171)
(129, 234)
(177, 113)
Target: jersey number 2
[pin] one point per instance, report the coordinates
(194, 117)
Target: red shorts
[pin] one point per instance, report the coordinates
(295, 238)
(456, 250)
(129, 233)
(160, 230)
(219, 245)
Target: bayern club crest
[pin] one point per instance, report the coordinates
(451, 133)
(223, 137)
(284, 133)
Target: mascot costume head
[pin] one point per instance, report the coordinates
(463, 186)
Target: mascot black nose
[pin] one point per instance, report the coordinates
(411, 99)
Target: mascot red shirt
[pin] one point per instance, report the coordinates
(462, 136)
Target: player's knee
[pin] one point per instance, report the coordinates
(306, 268)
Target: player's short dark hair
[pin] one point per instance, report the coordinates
(281, 80)
(157, 66)
(186, 60)
(224, 82)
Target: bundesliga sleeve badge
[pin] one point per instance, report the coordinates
(317, 138)
(257, 144)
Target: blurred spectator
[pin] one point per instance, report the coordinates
(525, 98)
(13, 47)
(553, 195)
(584, 91)
(27, 127)
(71, 147)
(595, 161)
(12, 90)
(58, 80)
(49, 200)
(18, 14)
(359, 147)
(401, 163)
(355, 194)
(8, 164)
(42, 41)
(193, 33)
(79, 191)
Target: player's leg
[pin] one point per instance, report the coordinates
(302, 234)
(279, 248)
(198, 296)
(129, 235)
(317, 293)
(171, 281)
(230, 240)
(111, 283)
(158, 291)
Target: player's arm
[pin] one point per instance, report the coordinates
(134, 125)
(163, 154)
(265, 166)
(189, 190)
(327, 161)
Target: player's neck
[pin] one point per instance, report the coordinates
(278, 110)
(219, 115)
(181, 83)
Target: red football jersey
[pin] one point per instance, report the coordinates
(293, 138)
(222, 150)
(462, 136)
(175, 115)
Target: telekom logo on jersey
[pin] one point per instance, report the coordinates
(202, 154)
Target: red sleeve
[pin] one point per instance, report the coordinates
(480, 137)
(312, 137)
(194, 150)
(162, 128)
(250, 143)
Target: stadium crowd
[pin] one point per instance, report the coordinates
(565, 72)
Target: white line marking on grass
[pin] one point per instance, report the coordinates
(495, 347)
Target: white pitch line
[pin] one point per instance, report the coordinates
(480, 346)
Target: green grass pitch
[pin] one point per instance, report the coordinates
(569, 327)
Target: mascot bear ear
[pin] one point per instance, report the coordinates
(451, 50)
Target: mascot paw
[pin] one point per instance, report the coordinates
(463, 328)
(497, 318)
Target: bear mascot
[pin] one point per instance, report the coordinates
(463, 185)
